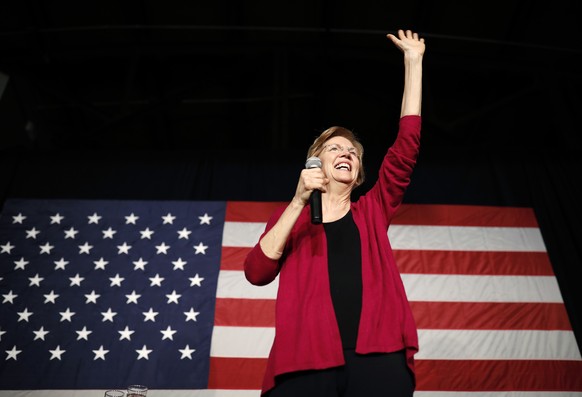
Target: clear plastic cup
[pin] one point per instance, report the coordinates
(137, 391)
(114, 393)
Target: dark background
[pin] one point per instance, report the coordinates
(217, 100)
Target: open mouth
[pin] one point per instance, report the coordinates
(343, 167)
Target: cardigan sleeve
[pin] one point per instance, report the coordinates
(397, 167)
(259, 268)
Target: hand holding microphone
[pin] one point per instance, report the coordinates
(315, 197)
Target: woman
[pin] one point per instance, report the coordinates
(343, 323)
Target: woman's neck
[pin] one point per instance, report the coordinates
(335, 206)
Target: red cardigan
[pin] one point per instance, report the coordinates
(306, 330)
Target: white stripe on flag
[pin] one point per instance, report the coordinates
(233, 284)
(248, 342)
(242, 234)
(465, 238)
(497, 345)
(426, 287)
(406, 237)
(463, 288)
(255, 342)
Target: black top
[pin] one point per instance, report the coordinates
(344, 258)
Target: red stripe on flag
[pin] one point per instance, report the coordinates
(498, 375)
(236, 373)
(408, 214)
(441, 262)
(245, 312)
(464, 215)
(473, 262)
(233, 258)
(432, 375)
(490, 316)
(250, 211)
(428, 315)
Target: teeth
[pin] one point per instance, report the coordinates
(343, 166)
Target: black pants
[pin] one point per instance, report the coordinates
(370, 375)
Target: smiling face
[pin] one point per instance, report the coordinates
(340, 161)
(352, 162)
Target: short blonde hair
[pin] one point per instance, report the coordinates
(316, 148)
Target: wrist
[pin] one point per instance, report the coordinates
(413, 58)
(297, 203)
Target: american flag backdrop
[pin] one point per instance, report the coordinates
(97, 295)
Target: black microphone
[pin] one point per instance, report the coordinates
(315, 198)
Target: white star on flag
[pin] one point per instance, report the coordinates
(57, 218)
(184, 233)
(125, 333)
(13, 353)
(117, 280)
(196, 280)
(191, 314)
(131, 219)
(1, 333)
(108, 233)
(147, 233)
(132, 298)
(9, 297)
(32, 233)
(100, 264)
(124, 248)
(139, 264)
(61, 263)
(108, 315)
(40, 334)
(24, 315)
(35, 280)
(94, 218)
(57, 353)
(67, 315)
(71, 233)
(162, 248)
(83, 334)
(179, 264)
(173, 297)
(168, 219)
(50, 297)
(186, 352)
(76, 280)
(92, 297)
(200, 249)
(156, 280)
(168, 333)
(20, 264)
(150, 315)
(205, 219)
(100, 353)
(85, 248)
(6, 248)
(46, 248)
(18, 218)
(143, 353)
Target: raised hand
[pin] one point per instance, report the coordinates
(408, 42)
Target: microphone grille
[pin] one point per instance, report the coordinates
(313, 162)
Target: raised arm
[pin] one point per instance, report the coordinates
(413, 48)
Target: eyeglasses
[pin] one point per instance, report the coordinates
(335, 148)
